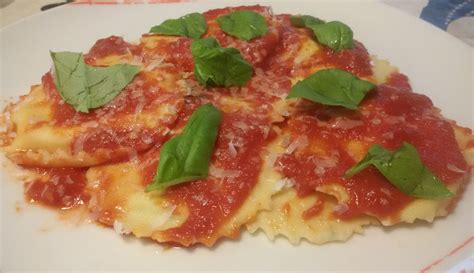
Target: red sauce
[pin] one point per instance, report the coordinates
(214, 13)
(284, 53)
(212, 201)
(139, 139)
(396, 102)
(142, 93)
(422, 127)
(149, 163)
(396, 115)
(369, 192)
(112, 45)
(255, 51)
(399, 81)
(355, 60)
(313, 211)
(61, 188)
(176, 52)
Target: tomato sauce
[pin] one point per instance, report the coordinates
(61, 188)
(281, 62)
(112, 45)
(255, 51)
(214, 13)
(369, 191)
(141, 94)
(139, 139)
(211, 201)
(313, 211)
(175, 51)
(355, 60)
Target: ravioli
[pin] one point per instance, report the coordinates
(278, 164)
(51, 133)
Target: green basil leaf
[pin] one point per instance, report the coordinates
(336, 35)
(332, 87)
(86, 87)
(305, 21)
(192, 25)
(404, 169)
(244, 24)
(218, 66)
(186, 156)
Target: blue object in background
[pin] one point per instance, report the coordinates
(442, 12)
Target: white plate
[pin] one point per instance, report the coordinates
(437, 64)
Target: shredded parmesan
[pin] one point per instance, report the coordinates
(55, 180)
(60, 189)
(120, 228)
(300, 142)
(341, 208)
(200, 198)
(79, 144)
(157, 61)
(386, 192)
(265, 131)
(376, 121)
(241, 125)
(90, 124)
(163, 217)
(394, 119)
(454, 168)
(44, 191)
(232, 150)
(29, 186)
(388, 135)
(221, 173)
(92, 202)
(230, 199)
(284, 183)
(147, 139)
(271, 158)
(341, 123)
(322, 164)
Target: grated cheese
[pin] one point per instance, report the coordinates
(454, 168)
(120, 228)
(299, 142)
(221, 173)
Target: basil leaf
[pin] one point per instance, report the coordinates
(336, 35)
(192, 25)
(218, 66)
(186, 156)
(305, 21)
(243, 24)
(404, 169)
(332, 87)
(86, 87)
